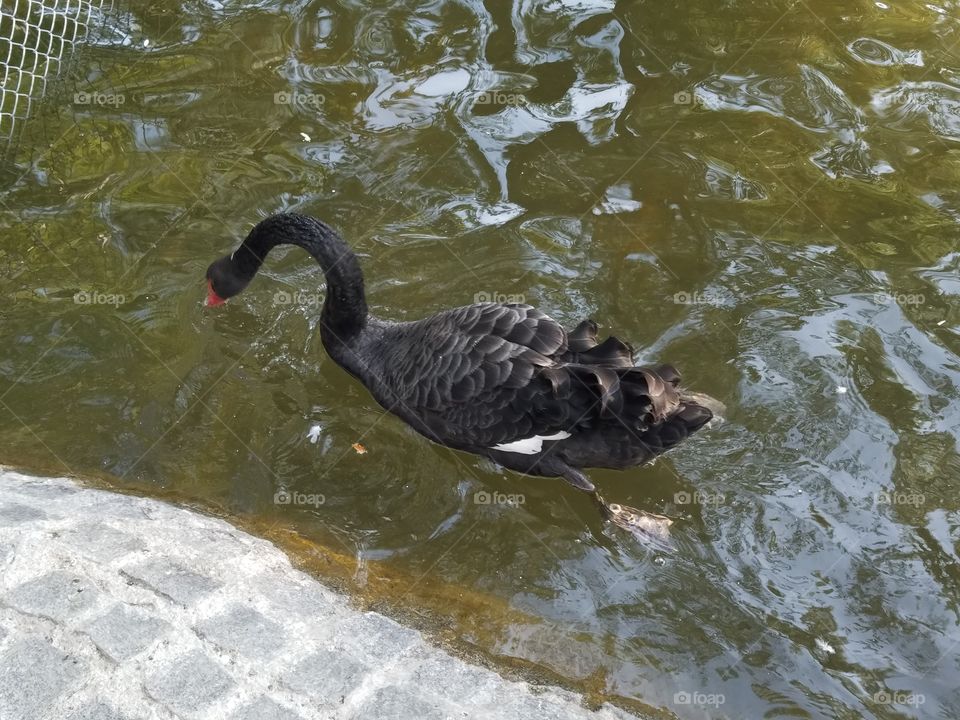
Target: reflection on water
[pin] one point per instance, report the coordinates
(763, 193)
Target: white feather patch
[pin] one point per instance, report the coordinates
(530, 445)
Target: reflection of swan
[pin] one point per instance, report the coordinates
(504, 381)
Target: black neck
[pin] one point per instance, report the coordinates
(344, 312)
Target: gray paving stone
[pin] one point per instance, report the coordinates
(172, 580)
(34, 675)
(96, 711)
(42, 488)
(191, 685)
(393, 703)
(378, 639)
(123, 632)
(616, 713)
(192, 680)
(14, 514)
(326, 676)
(265, 709)
(524, 705)
(57, 595)
(296, 601)
(460, 683)
(244, 630)
(102, 542)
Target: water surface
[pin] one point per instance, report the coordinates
(765, 194)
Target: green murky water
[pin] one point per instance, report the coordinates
(764, 193)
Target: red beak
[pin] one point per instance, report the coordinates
(212, 298)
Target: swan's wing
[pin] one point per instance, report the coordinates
(472, 374)
(508, 377)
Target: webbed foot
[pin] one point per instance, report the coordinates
(644, 525)
(632, 519)
(578, 480)
(647, 527)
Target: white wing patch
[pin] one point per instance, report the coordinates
(530, 445)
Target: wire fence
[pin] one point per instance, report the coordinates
(37, 40)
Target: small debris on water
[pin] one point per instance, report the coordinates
(306, 138)
(841, 390)
(361, 450)
(825, 647)
(313, 434)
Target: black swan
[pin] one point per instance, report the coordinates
(503, 381)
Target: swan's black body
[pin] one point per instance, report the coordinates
(503, 381)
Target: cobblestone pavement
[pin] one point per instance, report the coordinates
(121, 608)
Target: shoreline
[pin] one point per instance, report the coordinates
(208, 621)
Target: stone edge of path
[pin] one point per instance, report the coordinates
(117, 607)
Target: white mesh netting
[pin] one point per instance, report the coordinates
(37, 38)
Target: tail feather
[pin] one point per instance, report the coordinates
(648, 400)
(584, 348)
(583, 337)
(611, 352)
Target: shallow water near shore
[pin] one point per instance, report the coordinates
(763, 194)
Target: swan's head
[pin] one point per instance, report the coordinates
(223, 281)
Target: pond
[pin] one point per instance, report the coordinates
(765, 194)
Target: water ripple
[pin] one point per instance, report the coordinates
(935, 104)
(788, 238)
(877, 52)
